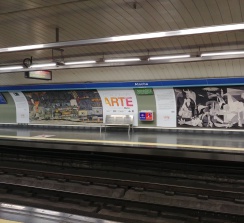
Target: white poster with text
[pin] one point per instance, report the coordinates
(166, 107)
(22, 107)
(119, 102)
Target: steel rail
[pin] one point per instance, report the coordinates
(170, 187)
(101, 200)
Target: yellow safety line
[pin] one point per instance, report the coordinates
(125, 143)
(7, 221)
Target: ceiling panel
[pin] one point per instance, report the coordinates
(25, 22)
(93, 19)
(13, 6)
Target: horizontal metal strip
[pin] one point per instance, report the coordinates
(140, 36)
(128, 85)
(144, 60)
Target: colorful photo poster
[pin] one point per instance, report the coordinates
(65, 107)
(119, 102)
(166, 107)
(22, 107)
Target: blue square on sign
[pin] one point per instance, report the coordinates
(2, 99)
(142, 116)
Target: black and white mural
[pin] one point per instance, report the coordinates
(211, 107)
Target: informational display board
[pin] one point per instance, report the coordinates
(22, 107)
(144, 91)
(39, 74)
(166, 107)
(122, 102)
(146, 115)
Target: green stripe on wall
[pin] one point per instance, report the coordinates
(8, 111)
(146, 102)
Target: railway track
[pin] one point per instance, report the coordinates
(168, 186)
(108, 187)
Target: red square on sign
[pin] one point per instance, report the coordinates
(149, 116)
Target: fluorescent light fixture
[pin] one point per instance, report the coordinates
(192, 31)
(170, 57)
(80, 62)
(181, 32)
(226, 53)
(11, 68)
(139, 36)
(212, 29)
(43, 65)
(122, 60)
(29, 47)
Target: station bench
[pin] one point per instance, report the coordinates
(119, 121)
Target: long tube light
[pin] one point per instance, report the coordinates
(11, 68)
(43, 65)
(122, 60)
(169, 57)
(192, 31)
(225, 53)
(182, 32)
(29, 47)
(80, 62)
(138, 61)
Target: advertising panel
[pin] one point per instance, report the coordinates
(210, 107)
(166, 107)
(65, 107)
(22, 108)
(119, 102)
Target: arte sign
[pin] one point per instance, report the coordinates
(122, 102)
(119, 101)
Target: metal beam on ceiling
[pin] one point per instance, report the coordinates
(193, 58)
(143, 36)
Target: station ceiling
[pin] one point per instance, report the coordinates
(28, 22)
